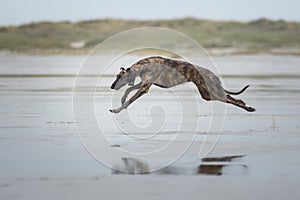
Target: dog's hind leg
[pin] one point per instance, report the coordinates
(143, 90)
(204, 92)
(239, 103)
(135, 87)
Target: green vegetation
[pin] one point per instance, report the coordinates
(262, 35)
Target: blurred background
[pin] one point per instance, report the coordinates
(224, 27)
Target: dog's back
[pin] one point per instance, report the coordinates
(165, 72)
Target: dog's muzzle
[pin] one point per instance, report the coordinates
(113, 86)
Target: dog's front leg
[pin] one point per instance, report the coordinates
(144, 89)
(135, 87)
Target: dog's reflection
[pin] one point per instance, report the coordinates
(209, 166)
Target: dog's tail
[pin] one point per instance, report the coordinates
(239, 92)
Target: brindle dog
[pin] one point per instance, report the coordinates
(166, 73)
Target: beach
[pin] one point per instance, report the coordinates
(252, 155)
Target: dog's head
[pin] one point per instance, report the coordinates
(123, 77)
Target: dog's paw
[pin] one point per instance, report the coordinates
(250, 109)
(114, 110)
(111, 110)
(253, 109)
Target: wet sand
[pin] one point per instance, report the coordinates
(256, 157)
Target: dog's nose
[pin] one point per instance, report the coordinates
(112, 87)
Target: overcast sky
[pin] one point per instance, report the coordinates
(14, 12)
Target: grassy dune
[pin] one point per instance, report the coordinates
(257, 36)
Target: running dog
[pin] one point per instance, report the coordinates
(166, 73)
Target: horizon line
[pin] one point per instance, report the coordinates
(157, 19)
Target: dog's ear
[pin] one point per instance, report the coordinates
(128, 69)
(122, 68)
